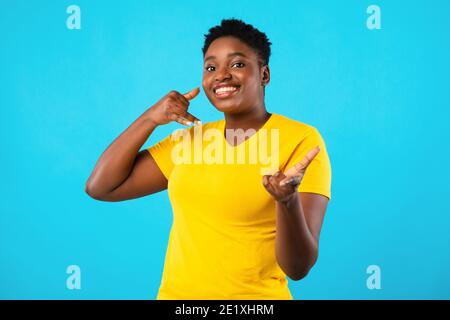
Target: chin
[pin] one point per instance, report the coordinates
(227, 104)
(225, 108)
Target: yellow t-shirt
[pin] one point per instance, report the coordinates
(222, 240)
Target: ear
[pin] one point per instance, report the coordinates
(265, 75)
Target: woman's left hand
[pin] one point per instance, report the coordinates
(283, 186)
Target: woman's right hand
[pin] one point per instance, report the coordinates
(173, 107)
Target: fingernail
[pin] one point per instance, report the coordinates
(276, 174)
(197, 123)
(189, 123)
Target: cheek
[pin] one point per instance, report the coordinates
(206, 82)
(252, 88)
(205, 88)
(251, 80)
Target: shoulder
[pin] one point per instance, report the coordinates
(294, 128)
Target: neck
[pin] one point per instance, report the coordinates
(253, 119)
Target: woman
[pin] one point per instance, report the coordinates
(236, 232)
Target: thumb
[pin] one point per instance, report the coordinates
(192, 94)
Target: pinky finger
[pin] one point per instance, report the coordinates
(180, 119)
(177, 118)
(183, 121)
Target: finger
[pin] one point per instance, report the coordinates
(184, 121)
(271, 178)
(267, 182)
(192, 94)
(184, 99)
(307, 159)
(182, 111)
(192, 118)
(181, 120)
(184, 102)
(302, 165)
(278, 176)
(273, 181)
(292, 181)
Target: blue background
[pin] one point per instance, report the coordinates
(380, 98)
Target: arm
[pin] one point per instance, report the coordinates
(299, 219)
(122, 172)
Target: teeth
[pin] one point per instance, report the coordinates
(226, 89)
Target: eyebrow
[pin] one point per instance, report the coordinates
(229, 55)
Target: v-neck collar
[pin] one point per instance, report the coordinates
(264, 126)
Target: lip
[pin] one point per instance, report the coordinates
(225, 95)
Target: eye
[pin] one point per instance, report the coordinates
(239, 63)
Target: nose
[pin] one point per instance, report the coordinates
(222, 74)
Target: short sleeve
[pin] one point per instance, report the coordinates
(162, 154)
(317, 178)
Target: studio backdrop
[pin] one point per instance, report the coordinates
(371, 76)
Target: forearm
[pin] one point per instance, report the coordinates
(116, 162)
(295, 246)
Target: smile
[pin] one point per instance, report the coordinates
(225, 92)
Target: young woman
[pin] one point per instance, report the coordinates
(237, 232)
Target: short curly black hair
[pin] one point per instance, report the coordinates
(244, 32)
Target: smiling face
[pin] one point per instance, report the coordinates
(233, 79)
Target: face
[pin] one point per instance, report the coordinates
(233, 79)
